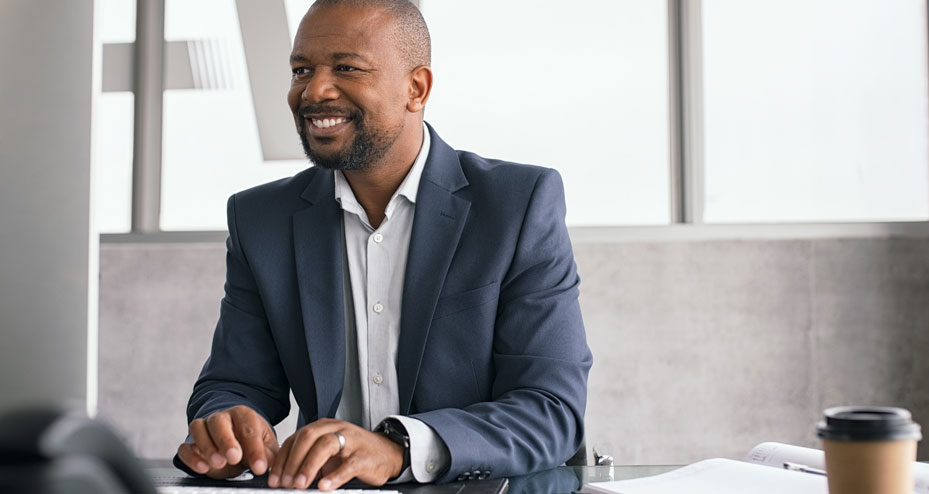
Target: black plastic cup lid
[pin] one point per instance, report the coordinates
(865, 423)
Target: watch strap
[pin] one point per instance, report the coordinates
(395, 431)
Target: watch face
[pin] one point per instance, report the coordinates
(394, 434)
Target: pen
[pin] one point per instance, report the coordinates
(796, 467)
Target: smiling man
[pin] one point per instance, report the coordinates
(419, 302)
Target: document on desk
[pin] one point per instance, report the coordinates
(717, 476)
(768, 468)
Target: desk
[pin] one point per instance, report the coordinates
(564, 480)
(560, 480)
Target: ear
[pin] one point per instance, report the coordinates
(420, 88)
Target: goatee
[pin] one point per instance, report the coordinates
(360, 155)
(366, 149)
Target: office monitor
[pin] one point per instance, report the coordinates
(48, 254)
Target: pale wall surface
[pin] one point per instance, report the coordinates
(701, 348)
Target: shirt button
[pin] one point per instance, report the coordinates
(430, 467)
(378, 308)
(378, 238)
(378, 379)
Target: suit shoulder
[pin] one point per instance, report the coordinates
(495, 173)
(478, 164)
(278, 190)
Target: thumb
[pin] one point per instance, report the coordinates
(270, 440)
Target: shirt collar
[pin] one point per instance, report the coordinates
(410, 185)
(408, 188)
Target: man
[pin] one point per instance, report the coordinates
(397, 285)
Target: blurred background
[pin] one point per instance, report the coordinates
(747, 185)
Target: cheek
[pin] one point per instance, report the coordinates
(293, 98)
(389, 110)
(293, 101)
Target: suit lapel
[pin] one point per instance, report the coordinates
(318, 247)
(437, 225)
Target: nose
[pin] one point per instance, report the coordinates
(320, 87)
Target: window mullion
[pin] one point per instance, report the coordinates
(685, 72)
(148, 86)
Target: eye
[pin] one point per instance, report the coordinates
(298, 71)
(345, 68)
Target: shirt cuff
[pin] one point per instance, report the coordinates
(429, 456)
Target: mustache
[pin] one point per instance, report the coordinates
(321, 109)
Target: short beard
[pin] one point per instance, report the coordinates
(366, 149)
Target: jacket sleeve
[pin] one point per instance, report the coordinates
(535, 418)
(244, 367)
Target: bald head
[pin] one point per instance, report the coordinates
(410, 32)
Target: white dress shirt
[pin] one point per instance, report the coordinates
(376, 261)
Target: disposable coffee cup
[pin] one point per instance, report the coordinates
(869, 450)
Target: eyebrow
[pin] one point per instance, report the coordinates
(297, 58)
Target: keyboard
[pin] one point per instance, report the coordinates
(188, 489)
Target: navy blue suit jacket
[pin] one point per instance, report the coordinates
(492, 351)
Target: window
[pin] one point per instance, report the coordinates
(581, 88)
(815, 110)
(211, 146)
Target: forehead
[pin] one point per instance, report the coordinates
(365, 31)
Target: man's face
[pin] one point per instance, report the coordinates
(350, 87)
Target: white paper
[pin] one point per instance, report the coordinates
(776, 454)
(718, 476)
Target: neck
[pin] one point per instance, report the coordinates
(373, 187)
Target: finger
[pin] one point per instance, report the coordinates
(201, 436)
(219, 426)
(301, 442)
(369, 457)
(270, 440)
(271, 448)
(189, 452)
(248, 428)
(191, 457)
(329, 466)
(347, 470)
(324, 448)
(271, 455)
(277, 467)
(226, 472)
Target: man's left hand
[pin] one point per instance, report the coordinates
(314, 452)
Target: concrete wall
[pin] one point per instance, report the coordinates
(48, 253)
(702, 348)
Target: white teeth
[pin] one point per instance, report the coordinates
(325, 123)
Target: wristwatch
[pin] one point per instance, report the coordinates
(395, 431)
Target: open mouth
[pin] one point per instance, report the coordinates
(326, 126)
(325, 123)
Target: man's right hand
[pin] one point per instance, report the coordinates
(227, 442)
